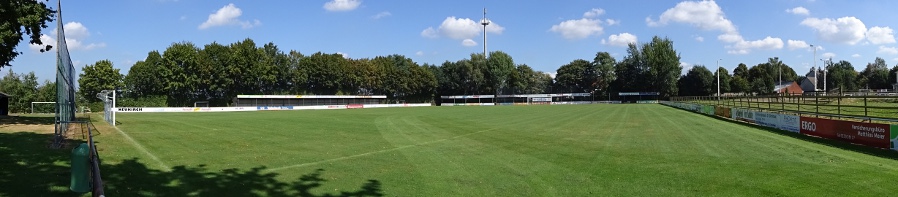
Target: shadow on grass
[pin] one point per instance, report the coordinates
(27, 120)
(884, 153)
(29, 168)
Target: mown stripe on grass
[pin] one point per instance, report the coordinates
(373, 152)
(142, 149)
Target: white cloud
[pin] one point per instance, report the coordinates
(703, 14)
(611, 22)
(699, 39)
(887, 50)
(799, 11)
(345, 55)
(856, 55)
(419, 53)
(430, 33)
(730, 37)
(552, 74)
(896, 59)
(845, 30)
(622, 39)
(797, 44)
(829, 55)
(578, 29)
(75, 34)
(686, 67)
(381, 15)
(707, 15)
(745, 47)
(589, 25)
(880, 35)
(461, 29)
(595, 12)
(468, 43)
(228, 15)
(342, 5)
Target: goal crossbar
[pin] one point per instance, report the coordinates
(39, 102)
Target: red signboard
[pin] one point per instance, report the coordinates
(355, 106)
(819, 127)
(870, 134)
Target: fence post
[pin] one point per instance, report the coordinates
(865, 105)
(816, 105)
(839, 106)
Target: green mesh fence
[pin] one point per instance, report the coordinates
(65, 86)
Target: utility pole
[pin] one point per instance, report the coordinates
(718, 79)
(815, 66)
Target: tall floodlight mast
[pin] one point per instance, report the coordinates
(484, 22)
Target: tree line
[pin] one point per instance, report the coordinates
(761, 78)
(184, 73)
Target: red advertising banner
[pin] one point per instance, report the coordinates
(870, 134)
(819, 127)
(355, 106)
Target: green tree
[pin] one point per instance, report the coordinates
(20, 18)
(499, 67)
(893, 73)
(725, 79)
(572, 77)
(740, 85)
(179, 66)
(631, 72)
(604, 70)
(761, 79)
(22, 88)
(842, 75)
(741, 71)
(143, 77)
(877, 75)
(698, 81)
(664, 66)
(98, 77)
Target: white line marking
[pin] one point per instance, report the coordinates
(374, 152)
(142, 149)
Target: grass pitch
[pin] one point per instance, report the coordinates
(567, 150)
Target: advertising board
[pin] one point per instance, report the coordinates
(743, 115)
(723, 112)
(870, 134)
(789, 123)
(893, 133)
(819, 127)
(767, 119)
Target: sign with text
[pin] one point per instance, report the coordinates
(789, 123)
(819, 127)
(767, 119)
(870, 134)
(743, 115)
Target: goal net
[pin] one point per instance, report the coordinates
(108, 98)
(43, 107)
(202, 104)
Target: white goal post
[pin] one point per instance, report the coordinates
(108, 98)
(201, 104)
(41, 102)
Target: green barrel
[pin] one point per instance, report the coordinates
(80, 169)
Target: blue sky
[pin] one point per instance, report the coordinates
(541, 34)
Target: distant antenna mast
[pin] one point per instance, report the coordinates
(484, 22)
